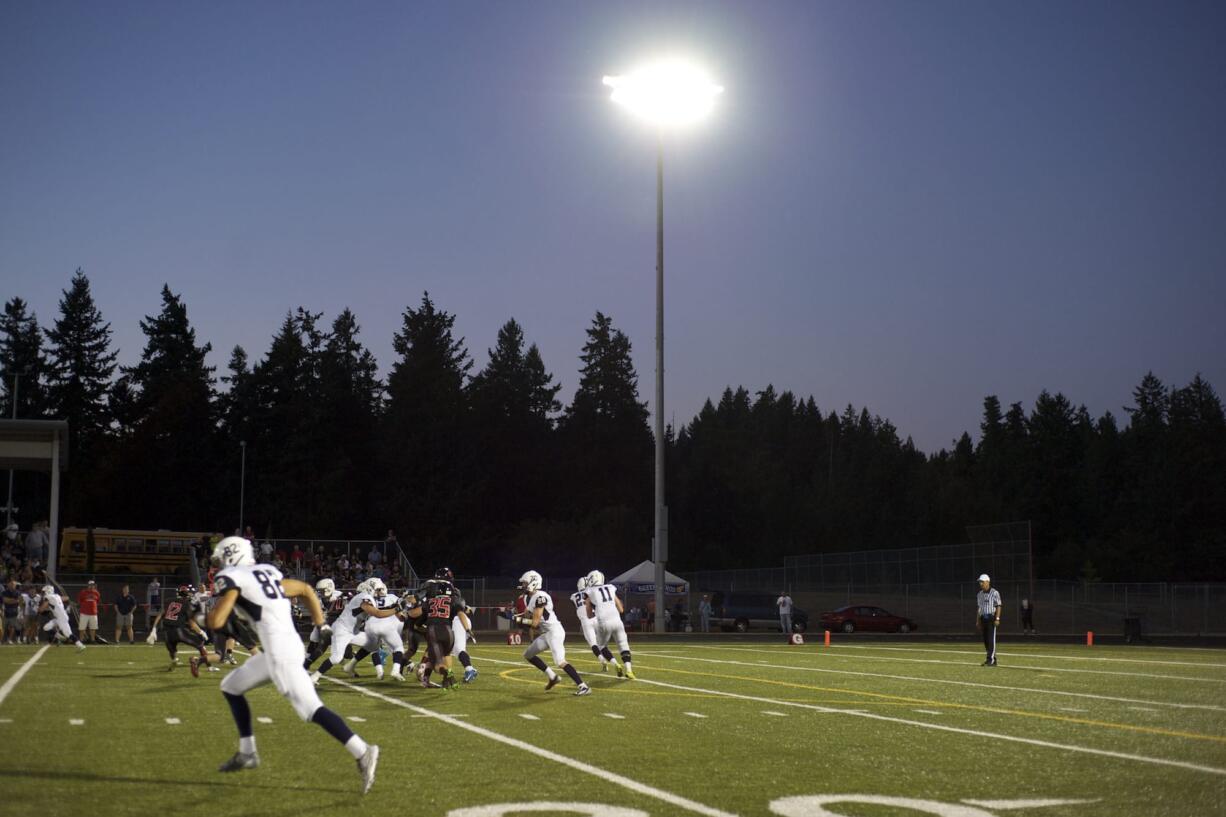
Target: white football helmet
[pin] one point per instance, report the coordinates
(233, 551)
(376, 587)
(48, 590)
(364, 587)
(530, 582)
(327, 589)
(595, 579)
(583, 583)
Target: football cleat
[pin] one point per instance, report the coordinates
(366, 767)
(194, 664)
(470, 675)
(396, 676)
(583, 689)
(620, 671)
(230, 659)
(630, 674)
(239, 762)
(214, 669)
(552, 682)
(315, 676)
(604, 666)
(350, 668)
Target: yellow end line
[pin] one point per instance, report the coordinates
(1152, 730)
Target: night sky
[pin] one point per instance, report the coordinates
(904, 205)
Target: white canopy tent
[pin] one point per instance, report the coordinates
(642, 579)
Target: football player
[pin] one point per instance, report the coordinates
(53, 603)
(333, 602)
(540, 616)
(441, 604)
(381, 631)
(461, 634)
(605, 607)
(587, 625)
(344, 628)
(260, 594)
(179, 625)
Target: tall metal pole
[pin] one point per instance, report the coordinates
(242, 485)
(8, 506)
(661, 538)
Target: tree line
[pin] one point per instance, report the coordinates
(487, 470)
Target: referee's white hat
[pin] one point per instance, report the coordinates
(983, 577)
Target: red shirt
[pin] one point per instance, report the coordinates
(88, 600)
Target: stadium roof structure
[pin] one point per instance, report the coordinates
(38, 445)
(32, 445)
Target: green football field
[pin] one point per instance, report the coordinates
(714, 727)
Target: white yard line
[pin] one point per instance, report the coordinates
(76, 722)
(529, 717)
(578, 765)
(921, 679)
(12, 682)
(173, 721)
(615, 716)
(1066, 747)
(1033, 655)
(832, 654)
(775, 714)
(927, 711)
(263, 719)
(694, 714)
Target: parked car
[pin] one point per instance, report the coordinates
(869, 619)
(739, 611)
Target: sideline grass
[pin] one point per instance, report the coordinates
(929, 723)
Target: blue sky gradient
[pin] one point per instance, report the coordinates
(899, 205)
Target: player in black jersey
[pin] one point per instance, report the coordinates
(441, 603)
(179, 625)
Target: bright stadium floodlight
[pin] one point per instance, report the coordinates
(670, 93)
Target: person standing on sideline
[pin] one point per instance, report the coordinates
(153, 602)
(12, 611)
(124, 607)
(704, 614)
(988, 618)
(87, 610)
(784, 603)
(1028, 618)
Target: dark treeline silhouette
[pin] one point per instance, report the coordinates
(483, 467)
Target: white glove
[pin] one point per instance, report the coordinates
(472, 637)
(153, 638)
(325, 630)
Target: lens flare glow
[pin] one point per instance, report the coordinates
(669, 93)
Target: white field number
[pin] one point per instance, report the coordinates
(812, 805)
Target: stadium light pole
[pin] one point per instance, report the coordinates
(8, 506)
(669, 94)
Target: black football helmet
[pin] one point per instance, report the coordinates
(444, 573)
(186, 591)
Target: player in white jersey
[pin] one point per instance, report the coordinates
(380, 631)
(606, 608)
(261, 595)
(53, 602)
(344, 629)
(550, 635)
(587, 625)
(461, 634)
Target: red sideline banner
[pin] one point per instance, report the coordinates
(796, 639)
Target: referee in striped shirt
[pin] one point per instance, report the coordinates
(988, 617)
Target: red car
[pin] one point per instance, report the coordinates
(870, 619)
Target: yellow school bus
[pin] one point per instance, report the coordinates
(102, 550)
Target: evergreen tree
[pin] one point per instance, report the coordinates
(427, 464)
(82, 365)
(607, 446)
(168, 461)
(513, 400)
(22, 357)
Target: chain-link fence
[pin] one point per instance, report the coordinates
(1058, 607)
